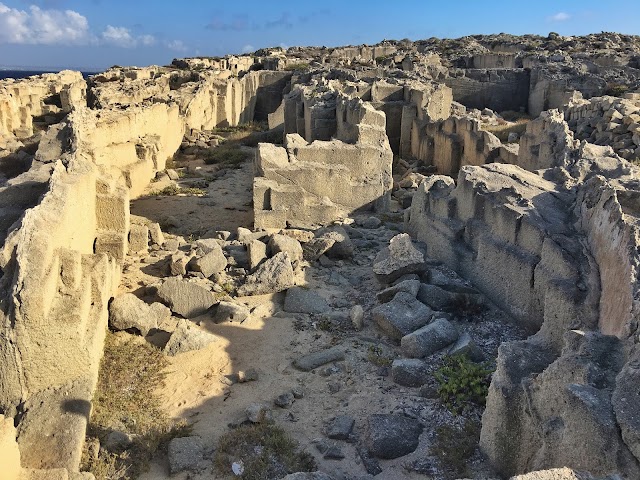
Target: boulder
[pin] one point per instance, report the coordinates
(304, 300)
(342, 247)
(315, 248)
(257, 253)
(185, 454)
(212, 262)
(429, 339)
(139, 239)
(185, 298)
(340, 427)
(274, 275)
(398, 259)
(231, 312)
(188, 337)
(391, 436)
(317, 359)
(402, 315)
(128, 311)
(466, 346)
(284, 243)
(178, 263)
(409, 286)
(409, 372)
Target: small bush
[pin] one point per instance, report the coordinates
(302, 66)
(126, 399)
(462, 382)
(225, 155)
(376, 356)
(503, 130)
(616, 89)
(175, 190)
(454, 446)
(265, 450)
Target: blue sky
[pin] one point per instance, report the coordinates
(95, 34)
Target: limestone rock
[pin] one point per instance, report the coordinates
(340, 427)
(402, 315)
(409, 286)
(398, 259)
(212, 262)
(466, 346)
(128, 311)
(304, 300)
(342, 245)
(391, 436)
(429, 339)
(317, 359)
(274, 275)
(185, 298)
(315, 248)
(9, 452)
(285, 243)
(356, 314)
(257, 252)
(178, 263)
(185, 454)
(188, 337)
(231, 312)
(409, 372)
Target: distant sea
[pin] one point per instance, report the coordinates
(29, 73)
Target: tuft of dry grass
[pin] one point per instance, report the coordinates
(126, 400)
(503, 130)
(265, 450)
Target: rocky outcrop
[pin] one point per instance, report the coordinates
(304, 184)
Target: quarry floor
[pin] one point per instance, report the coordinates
(197, 385)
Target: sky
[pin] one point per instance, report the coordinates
(93, 35)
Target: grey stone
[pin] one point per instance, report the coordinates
(178, 263)
(172, 174)
(188, 337)
(340, 427)
(259, 413)
(334, 452)
(308, 476)
(371, 223)
(185, 454)
(156, 234)
(429, 339)
(342, 246)
(185, 298)
(317, 359)
(401, 316)
(171, 245)
(284, 243)
(315, 248)
(447, 297)
(304, 300)
(257, 253)
(409, 372)
(245, 235)
(285, 400)
(399, 258)
(356, 314)
(231, 312)
(409, 286)
(391, 436)
(466, 346)
(117, 441)
(138, 239)
(274, 275)
(128, 311)
(211, 262)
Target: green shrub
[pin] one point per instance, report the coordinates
(462, 382)
(225, 155)
(616, 89)
(376, 356)
(454, 446)
(265, 450)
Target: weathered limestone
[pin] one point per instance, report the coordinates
(304, 184)
(44, 95)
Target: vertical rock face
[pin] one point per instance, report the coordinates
(304, 184)
(556, 246)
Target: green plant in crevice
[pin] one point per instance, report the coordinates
(462, 382)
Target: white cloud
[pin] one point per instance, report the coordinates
(118, 36)
(248, 49)
(42, 27)
(177, 46)
(559, 17)
(37, 26)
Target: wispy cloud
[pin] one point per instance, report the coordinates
(237, 23)
(240, 23)
(248, 49)
(559, 17)
(177, 46)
